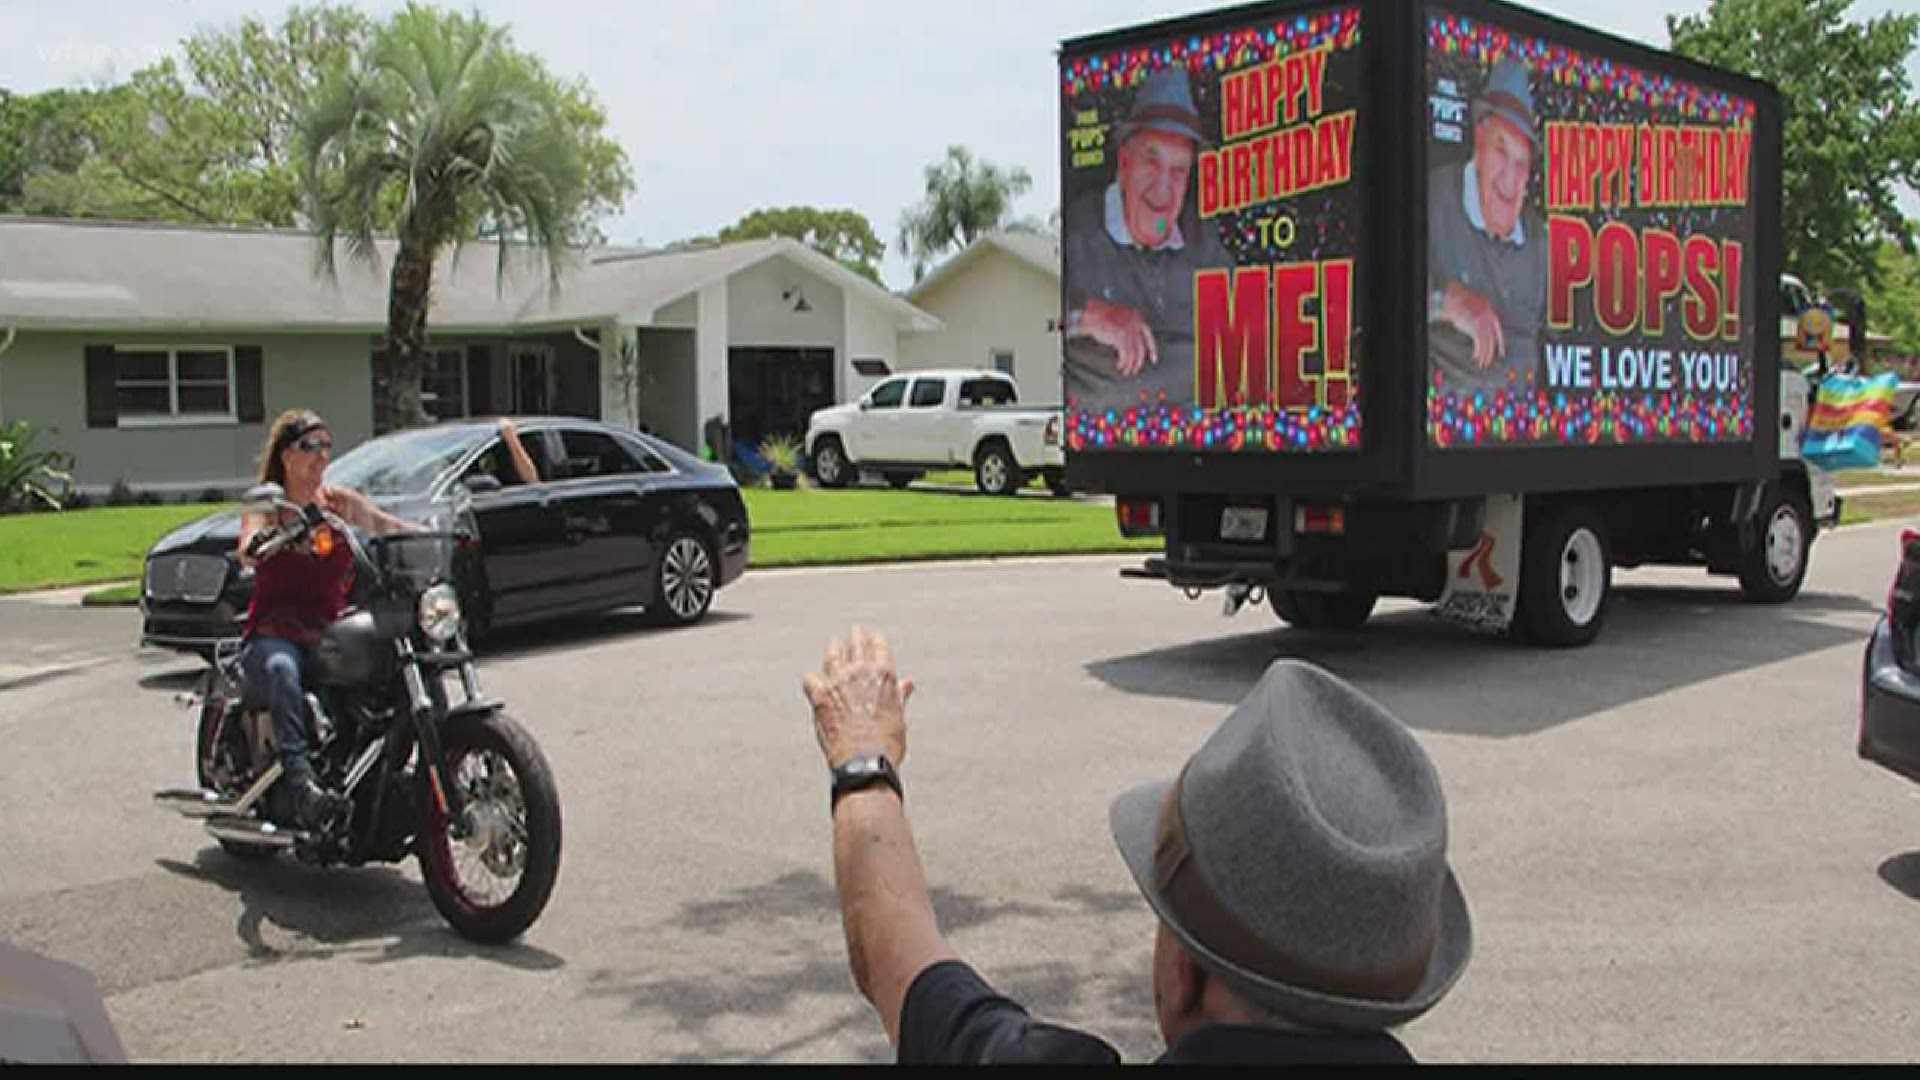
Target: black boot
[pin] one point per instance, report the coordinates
(313, 806)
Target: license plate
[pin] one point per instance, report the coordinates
(1243, 523)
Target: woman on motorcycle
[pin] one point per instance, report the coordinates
(299, 592)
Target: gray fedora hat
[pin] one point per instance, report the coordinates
(1301, 857)
(1509, 97)
(1164, 103)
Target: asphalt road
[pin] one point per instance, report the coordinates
(1669, 847)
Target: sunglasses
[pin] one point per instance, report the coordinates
(314, 444)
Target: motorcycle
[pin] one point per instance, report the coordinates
(436, 771)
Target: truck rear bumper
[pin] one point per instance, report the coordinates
(1219, 575)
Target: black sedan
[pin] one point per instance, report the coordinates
(620, 518)
(1890, 691)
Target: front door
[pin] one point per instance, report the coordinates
(530, 373)
(775, 391)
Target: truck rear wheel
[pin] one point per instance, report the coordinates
(1323, 611)
(830, 467)
(1566, 577)
(995, 471)
(1773, 561)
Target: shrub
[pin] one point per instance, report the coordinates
(782, 453)
(121, 493)
(29, 477)
(213, 495)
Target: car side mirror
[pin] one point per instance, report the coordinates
(481, 483)
(865, 404)
(262, 498)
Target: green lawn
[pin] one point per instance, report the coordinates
(1874, 477)
(811, 527)
(1858, 508)
(806, 527)
(78, 547)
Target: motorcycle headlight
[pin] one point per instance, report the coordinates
(440, 614)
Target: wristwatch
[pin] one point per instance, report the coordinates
(865, 771)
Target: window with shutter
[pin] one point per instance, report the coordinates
(151, 384)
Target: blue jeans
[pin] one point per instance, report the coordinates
(274, 670)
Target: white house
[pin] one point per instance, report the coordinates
(999, 300)
(156, 354)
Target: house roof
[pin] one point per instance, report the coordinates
(1040, 252)
(57, 273)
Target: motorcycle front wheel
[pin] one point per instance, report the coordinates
(491, 878)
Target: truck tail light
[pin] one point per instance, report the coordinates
(1138, 517)
(1320, 520)
(1052, 435)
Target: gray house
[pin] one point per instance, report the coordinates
(158, 354)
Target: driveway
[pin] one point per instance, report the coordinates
(1669, 847)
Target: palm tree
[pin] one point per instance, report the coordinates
(446, 131)
(966, 197)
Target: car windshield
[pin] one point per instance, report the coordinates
(401, 464)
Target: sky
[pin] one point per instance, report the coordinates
(725, 106)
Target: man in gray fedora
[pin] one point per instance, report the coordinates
(1297, 866)
(1131, 250)
(1486, 249)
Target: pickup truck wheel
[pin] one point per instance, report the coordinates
(1323, 611)
(830, 468)
(996, 472)
(1773, 561)
(1566, 577)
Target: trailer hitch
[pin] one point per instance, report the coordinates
(1238, 596)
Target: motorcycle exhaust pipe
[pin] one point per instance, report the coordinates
(194, 802)
(201, 803)
(251, 831)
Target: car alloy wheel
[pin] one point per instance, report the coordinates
(686, 579)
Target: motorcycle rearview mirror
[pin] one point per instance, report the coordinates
(262, 498)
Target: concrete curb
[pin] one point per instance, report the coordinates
(65, 595)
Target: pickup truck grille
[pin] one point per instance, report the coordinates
(194, 578)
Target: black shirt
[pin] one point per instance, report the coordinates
(952, 1017)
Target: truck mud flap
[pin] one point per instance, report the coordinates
(1483, 582)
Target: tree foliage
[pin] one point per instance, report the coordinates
(966, 197)
(1852, 127)
(1893, 306)
(845, 236)
(216, 137)
(443, 124)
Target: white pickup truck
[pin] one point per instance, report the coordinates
(922, 420)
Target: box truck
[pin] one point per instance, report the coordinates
(1452, 300)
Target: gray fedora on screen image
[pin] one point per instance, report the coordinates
(1164, 102)
(1301, 857)
(1509, 97)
